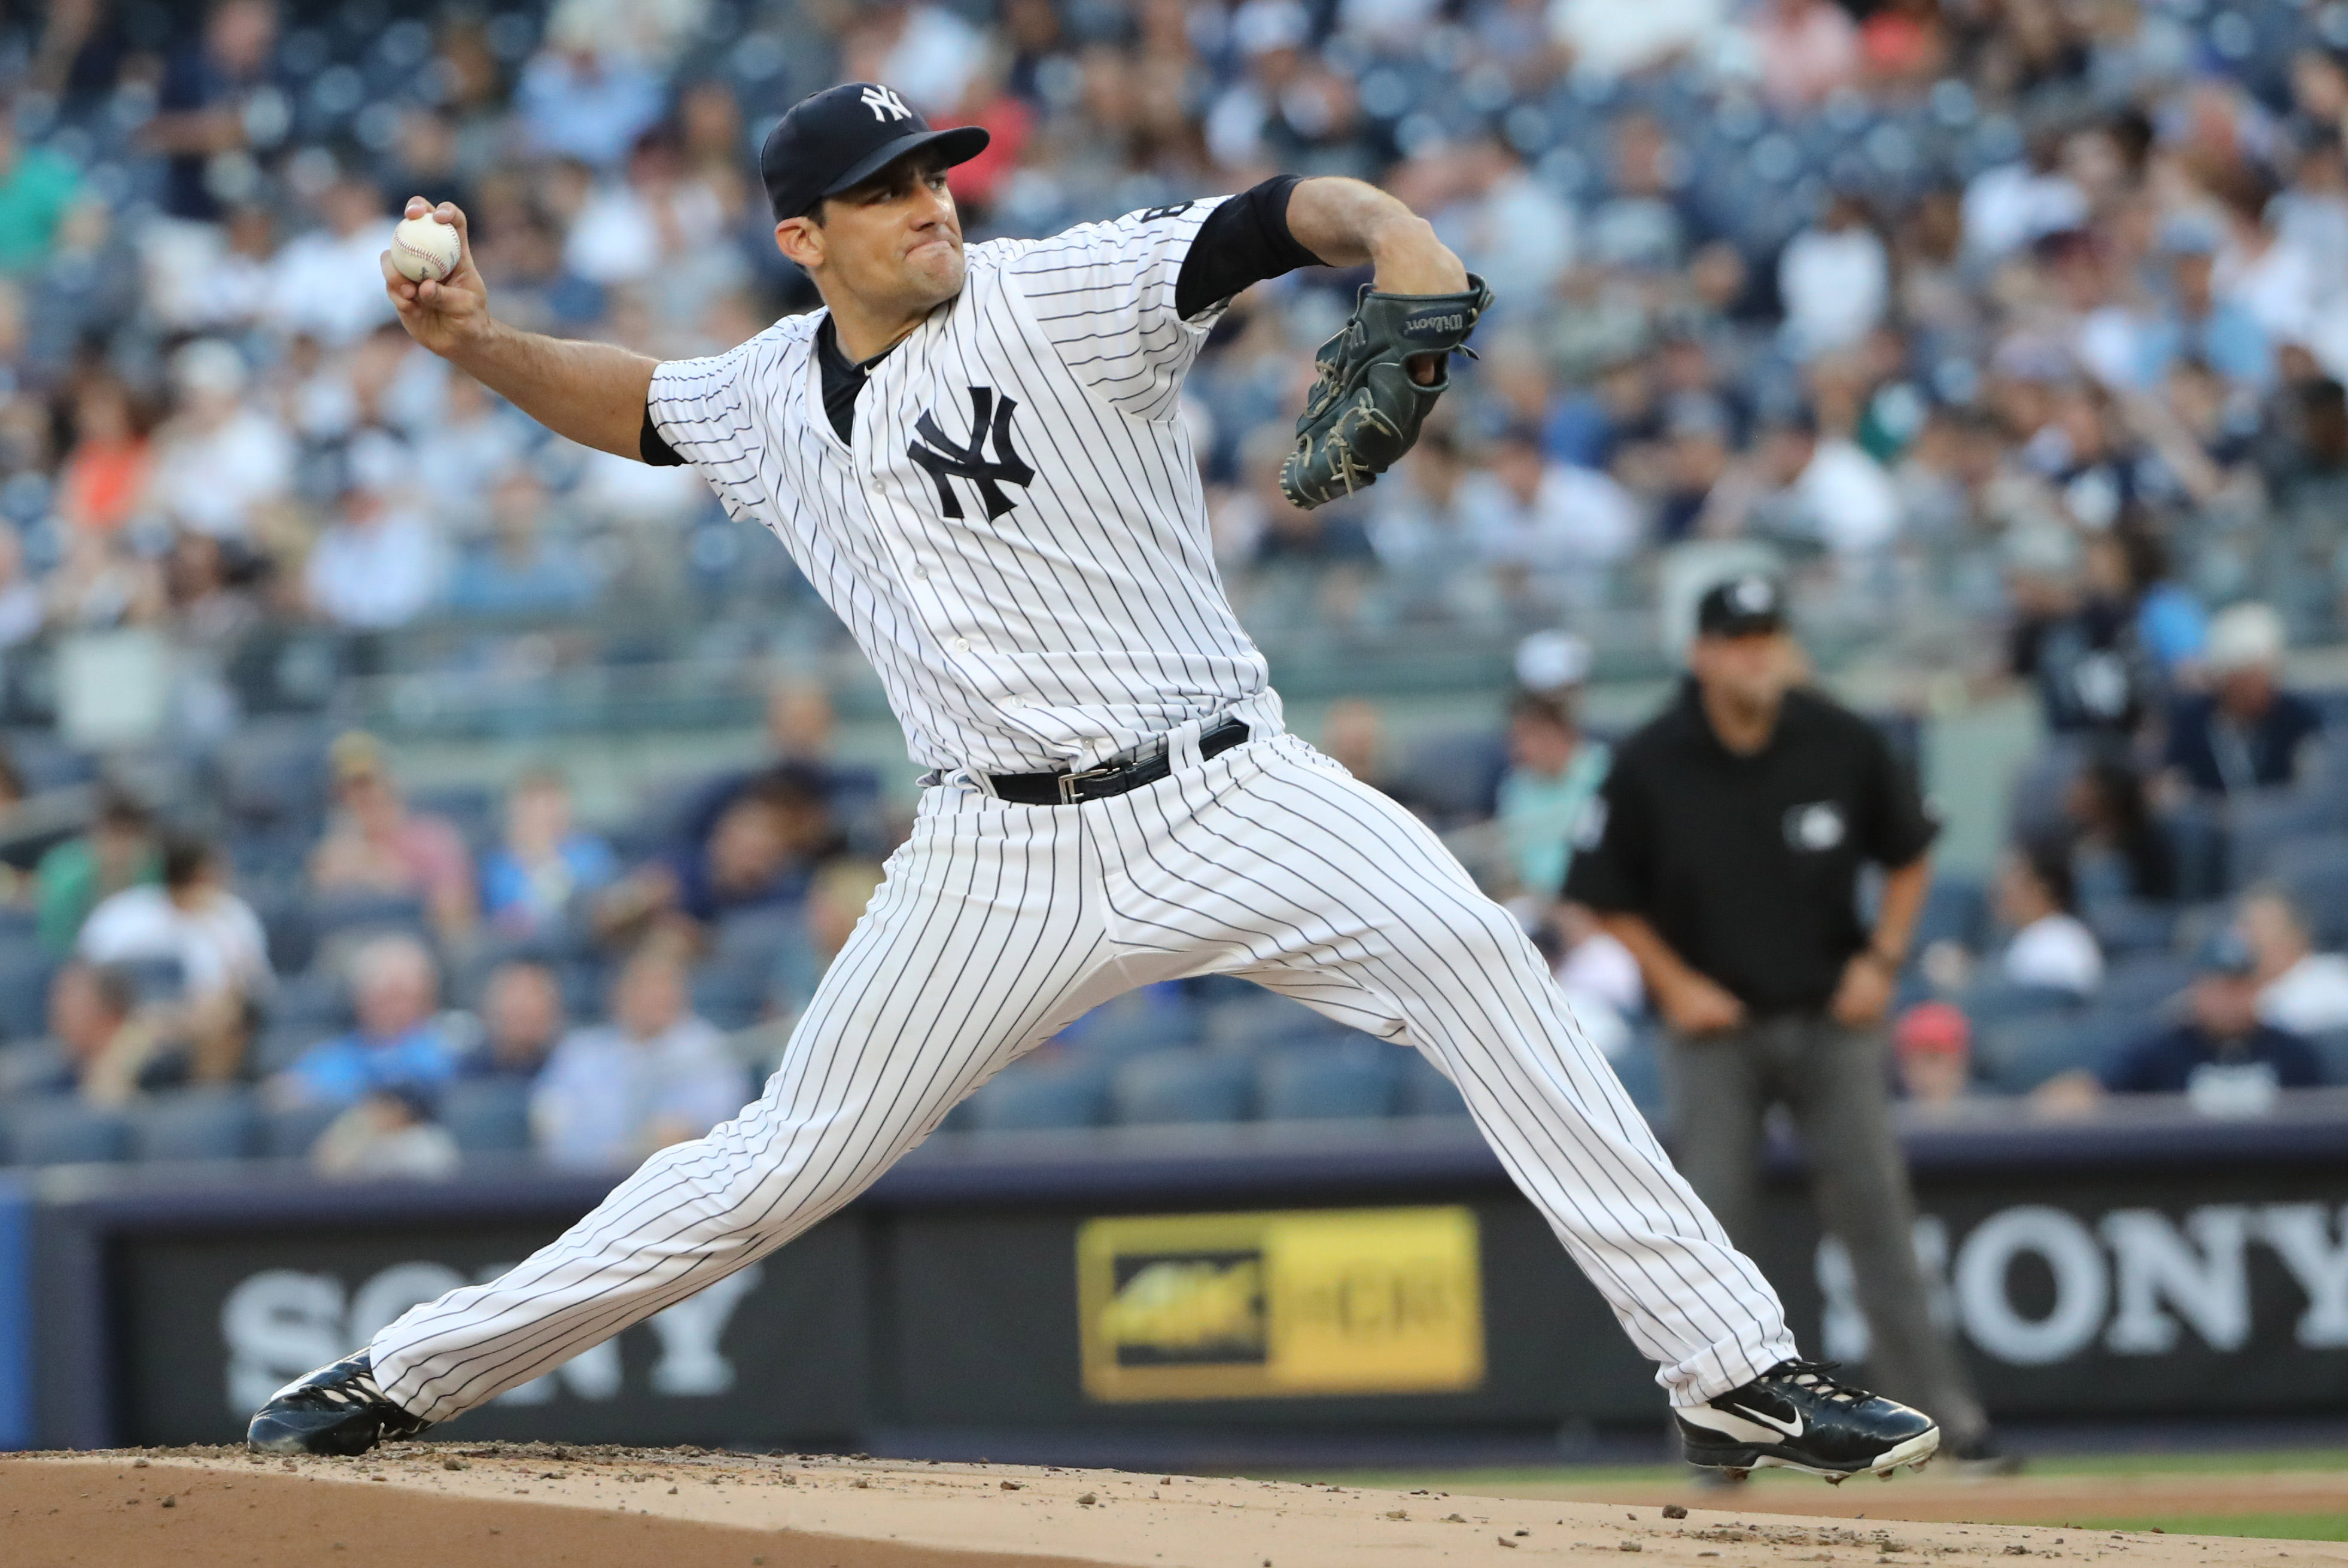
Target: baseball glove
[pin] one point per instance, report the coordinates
(1364, 411)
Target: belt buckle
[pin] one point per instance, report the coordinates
(1068, 782)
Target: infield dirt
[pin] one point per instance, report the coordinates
(454, 1505)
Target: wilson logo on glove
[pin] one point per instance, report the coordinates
(1364, 411)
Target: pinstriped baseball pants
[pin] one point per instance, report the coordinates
(999, 924)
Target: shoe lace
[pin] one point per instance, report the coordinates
(1813, 1377)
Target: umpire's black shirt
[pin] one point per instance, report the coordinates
(1748, 866)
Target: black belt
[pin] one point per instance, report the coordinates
(1065, 788)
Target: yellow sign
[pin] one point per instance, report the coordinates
(1239, 1306)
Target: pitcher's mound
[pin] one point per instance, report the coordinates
(497, 1505)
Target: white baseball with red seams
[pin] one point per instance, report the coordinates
(424, 247)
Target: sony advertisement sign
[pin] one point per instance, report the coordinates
(2077, 1295)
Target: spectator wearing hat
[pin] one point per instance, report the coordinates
(1725, 853)
(1932, 1043)
(2245, 732)
(376, 845)
(1554, 774)
(2220, 1053)
(2300, 989)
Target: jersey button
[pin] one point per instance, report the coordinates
(959, 644)
(921, 574)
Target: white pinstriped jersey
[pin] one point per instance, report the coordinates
(1016, 536)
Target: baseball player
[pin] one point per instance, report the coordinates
(976, 454)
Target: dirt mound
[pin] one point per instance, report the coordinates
(503, 1505)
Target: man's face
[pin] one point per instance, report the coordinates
(1752, 671)
(895, 239)
(524, 1011)
(1538, 745)
(650, 998)
(1933, 1077)
(80, 1016)
(397, 998)
(2247, 694)
(2271, 933)
(747, 848)
(2226, 1006)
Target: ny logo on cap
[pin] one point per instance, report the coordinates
(885, 104)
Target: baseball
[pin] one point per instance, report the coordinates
(425, 248)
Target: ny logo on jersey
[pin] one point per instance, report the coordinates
(946, 460)
(885, 104)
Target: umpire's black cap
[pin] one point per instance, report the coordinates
(1749, 605)
(837, 137)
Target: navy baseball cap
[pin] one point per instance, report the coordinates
(1748, 606)
(845, 134)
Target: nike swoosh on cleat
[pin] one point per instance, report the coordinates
(1793, 1430)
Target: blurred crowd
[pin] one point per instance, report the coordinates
(2008, 331)
(1931, 302)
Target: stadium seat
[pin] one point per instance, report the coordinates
(338, 914)
(1030, 1095)
(2315, 869)
(196, 1125)
(488, 1116)
(24, 992)
(2016, 1057)
(2143, 981)
(2129, 925)
(2265, 830)
(2196, 842)
(1996, 1001)
(1956, 909)
(1260, 1020)
(1327, 1083)
(1425, 1092)
(2331, 1045)
(64, 1132)
(1182, 1086)
(732, 997)
(1640, 1066)
(1150, 1019)
(287, 1132)
(316, 1001)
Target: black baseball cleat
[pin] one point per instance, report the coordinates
(1796, 1417)
(336, 1410)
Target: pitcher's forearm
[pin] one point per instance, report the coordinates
(592, 393)
(1346, 223)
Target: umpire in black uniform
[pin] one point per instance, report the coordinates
(1726, 857)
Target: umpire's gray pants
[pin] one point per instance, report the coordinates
(1832, 1079)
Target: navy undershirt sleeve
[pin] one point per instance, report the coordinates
(1242, 243)
(655, 450)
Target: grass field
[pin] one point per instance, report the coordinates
(2291, 1494)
